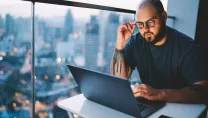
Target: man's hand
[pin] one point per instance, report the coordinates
(124, 33)
(148, 92)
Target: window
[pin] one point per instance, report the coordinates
(15, 66)
(69, 37)
(83, 37)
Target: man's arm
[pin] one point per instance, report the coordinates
(193, 70)
(119, 67)
(197, 93)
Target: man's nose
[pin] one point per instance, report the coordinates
(146, 27)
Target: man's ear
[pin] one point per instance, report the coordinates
(164, 15)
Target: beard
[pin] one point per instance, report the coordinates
(153, 39)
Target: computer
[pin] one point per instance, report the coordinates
(113, 92)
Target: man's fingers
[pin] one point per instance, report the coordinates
(139, 94)
(123, 26)
(145, 95)
(139, 89)
(128, 27)
(133, 25)
(145, 91)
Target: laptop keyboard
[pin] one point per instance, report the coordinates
(142, 107)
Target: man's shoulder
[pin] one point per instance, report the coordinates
(182, 40)
(181, 37)
(185, 43)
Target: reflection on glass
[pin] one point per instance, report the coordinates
(15, 67)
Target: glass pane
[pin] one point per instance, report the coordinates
(69, 35)
(125, 4)
(15, 66)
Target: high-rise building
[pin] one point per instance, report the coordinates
(1, 26)
(8, 35)
(110, 40)
(92, 43)
(6, 45)
(10, 25)
(103, 17)
(1, 22)
(68, 25)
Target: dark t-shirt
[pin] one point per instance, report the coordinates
(175, 64)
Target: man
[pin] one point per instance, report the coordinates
(167, 60)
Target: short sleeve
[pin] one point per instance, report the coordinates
(193, 66)
(129, 52)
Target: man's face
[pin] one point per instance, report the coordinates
(151, 25)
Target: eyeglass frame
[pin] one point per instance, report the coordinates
(146, 23)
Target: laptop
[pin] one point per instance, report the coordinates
(113, 92)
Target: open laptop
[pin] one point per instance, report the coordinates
(113, 92)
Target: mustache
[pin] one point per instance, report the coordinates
(148, 33)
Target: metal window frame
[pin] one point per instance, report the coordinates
(82, 5)
(86, 5)
(33, 77)
(65, 3)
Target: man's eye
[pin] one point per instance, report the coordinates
(151, 23)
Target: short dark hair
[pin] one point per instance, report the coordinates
(156, 3)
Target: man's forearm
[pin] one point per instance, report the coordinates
(193, 94)
(118, 65)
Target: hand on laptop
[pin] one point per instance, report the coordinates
(147, 92)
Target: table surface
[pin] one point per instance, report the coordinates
(85, 108)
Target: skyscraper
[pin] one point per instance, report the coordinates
(1, 27)
(68, 25)
(8, 35)
(1, 22)
(92, 43)
(110, 40)
(103, 17)
(10, 25)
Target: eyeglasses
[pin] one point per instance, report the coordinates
(149, 23)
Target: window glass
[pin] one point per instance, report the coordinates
(71, 35)
(15, 57)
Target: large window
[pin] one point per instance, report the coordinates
(15, 66)
(83, 37)
(78, 36)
